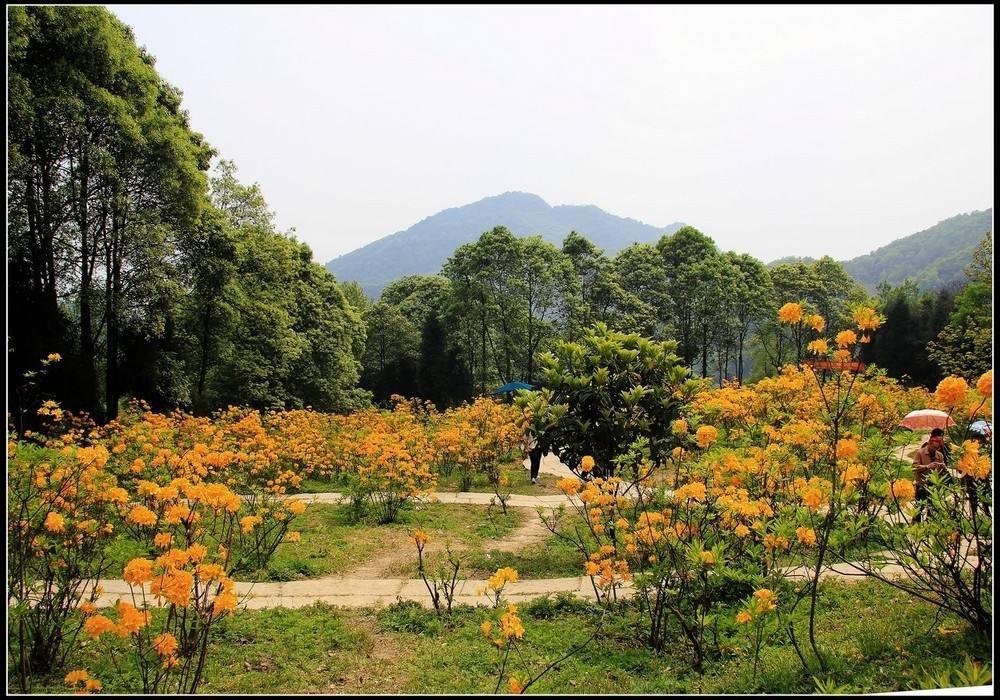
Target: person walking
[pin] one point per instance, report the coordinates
(533, 448)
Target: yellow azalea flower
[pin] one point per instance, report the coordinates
(818, 347)
(866, 319)
(224, 602)
(296, 506)
(587, 464)
(516, 686)
(292, 536)
(790, 313)
(742, 531)
(679, 427)
(707, 557)
(53, 357)
(88, 608)
(816, 322)
(486, 628)
(420, 538)
(743, 617)
(163, 539)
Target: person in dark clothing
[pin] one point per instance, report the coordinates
(533, 448)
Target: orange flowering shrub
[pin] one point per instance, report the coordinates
(58, 523)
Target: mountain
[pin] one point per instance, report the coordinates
(933, 258)
(423, 248)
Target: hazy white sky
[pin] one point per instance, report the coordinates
(775, 130)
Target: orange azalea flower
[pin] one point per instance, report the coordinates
(141, 515)
(516, 686)
(706, 435)
(165, 644)
(74, 677)
(486, 628)
(163, 539)
(55, 522)
(806, 535)
(420, 538)
(138, 572)
(845, 339)
(97, 625)
(985, 385)
(866, 319)
(679, 427)
(587, 464)
(816, 322)
(951, 391)
(790, 313)
(818, 347)
(743, 617)
(902, 490)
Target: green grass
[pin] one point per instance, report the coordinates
(876, 639)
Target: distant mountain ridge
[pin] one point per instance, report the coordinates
(423, 248)
(932, 258)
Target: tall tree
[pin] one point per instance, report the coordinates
(105, 173)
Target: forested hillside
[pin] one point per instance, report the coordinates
(932, 259)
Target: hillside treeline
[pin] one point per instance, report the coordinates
(137, 268)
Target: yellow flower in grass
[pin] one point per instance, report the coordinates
(486, 628)
(296, 506)
(420, 538)
(743, 617)
(224, 602)
(515, 685)
(510, 623)
(292, 536)
(74, 677)
(766, 599)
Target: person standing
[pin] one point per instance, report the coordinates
(533, 449)
(931, 455)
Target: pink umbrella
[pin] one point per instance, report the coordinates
(926, 418)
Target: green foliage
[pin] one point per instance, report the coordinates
(615, 387)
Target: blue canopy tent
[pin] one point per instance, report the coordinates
(510, 387)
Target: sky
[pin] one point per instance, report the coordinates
(802, 130)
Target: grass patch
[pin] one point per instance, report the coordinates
(405, 649)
